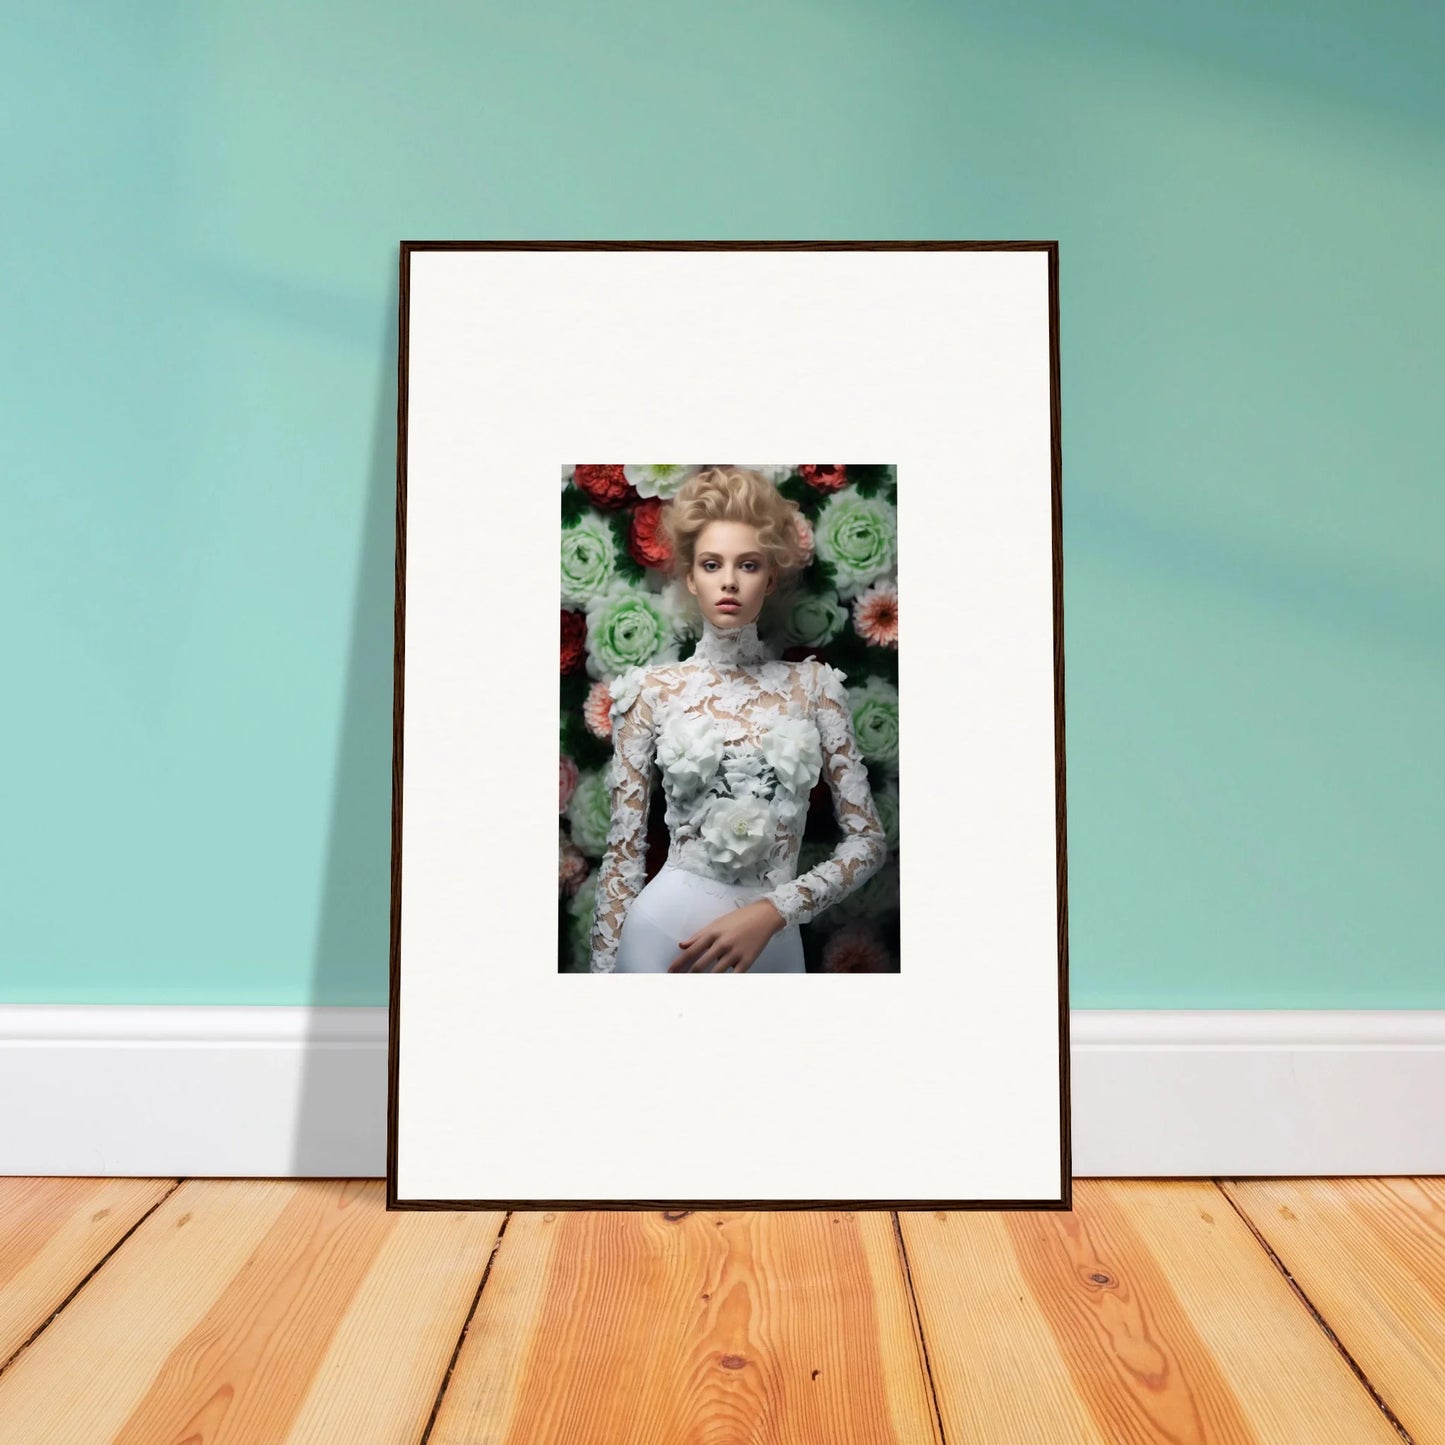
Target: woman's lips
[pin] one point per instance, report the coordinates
(728, 606)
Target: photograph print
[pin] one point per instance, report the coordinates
(729, 719)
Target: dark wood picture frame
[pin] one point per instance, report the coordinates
(1063, 1202)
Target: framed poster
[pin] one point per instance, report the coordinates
(762, 771)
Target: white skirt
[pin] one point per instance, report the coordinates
(675, 904)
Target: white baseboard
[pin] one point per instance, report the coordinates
(278, 1092)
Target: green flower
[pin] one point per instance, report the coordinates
(885, 799)
(812, 852)
(627, 627)
(874, 895)
(875, 720)
(580, 907)
(589, 810)
(858, 536)
(589, 560)
(813, 619)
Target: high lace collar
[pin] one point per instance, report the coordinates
(731, 646)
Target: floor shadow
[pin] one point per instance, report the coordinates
(341, 1109)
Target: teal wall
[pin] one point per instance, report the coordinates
(203, 205)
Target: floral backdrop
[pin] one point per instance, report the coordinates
(620, 609)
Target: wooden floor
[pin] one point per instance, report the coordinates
(165, 1312)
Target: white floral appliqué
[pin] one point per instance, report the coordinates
(794, 753)
(737, 831)
(625, 687)
(689, 750)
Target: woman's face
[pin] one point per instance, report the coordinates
(728, 567)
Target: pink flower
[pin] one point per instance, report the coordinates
(855, 948)
(804, 529)
(568, 778)
(571, 865)
(597, 710)
(875, 614)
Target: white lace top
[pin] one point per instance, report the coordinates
(740, 738)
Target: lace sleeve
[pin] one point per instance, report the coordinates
(623, 869)
(863, 849)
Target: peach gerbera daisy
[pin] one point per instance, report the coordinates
(875, 614)
(597, 710)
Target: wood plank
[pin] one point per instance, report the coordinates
(670, 1327)
(53, 1232)
(247, 1310)
(1148, 1313)
(1370, 1256)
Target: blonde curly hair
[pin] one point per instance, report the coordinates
(733, 494)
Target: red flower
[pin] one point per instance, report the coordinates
(574, 640)
(822, 476)
(645, 538)
(604, 486)
(855, 948)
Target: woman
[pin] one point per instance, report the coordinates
(740, 737)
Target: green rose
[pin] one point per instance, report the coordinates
(581, 907)
(589, 810)
(627, 627)
(813, 620)
(875, 720)
(589, 560)
(811, 853)
(874, 895)
(858, 536)
(885, 799)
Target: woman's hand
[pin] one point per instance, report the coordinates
(730, 942)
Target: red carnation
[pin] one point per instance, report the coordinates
(821, 476)
(574, 640)
(604, 486)
(645, 538)
(855, 948)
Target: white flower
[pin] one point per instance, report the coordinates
(774, 474)
(792, 748)
(624, 689)
(743, 773)
(738, 832)
(689, 750)
(657, 481)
